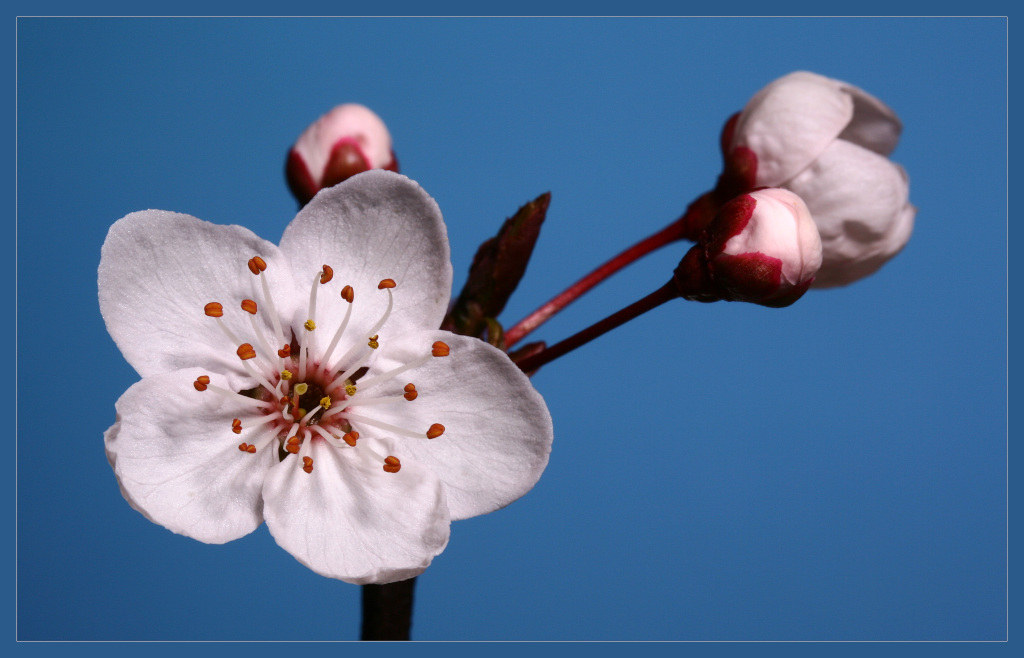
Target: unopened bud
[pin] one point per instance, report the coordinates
(348, 140)
(761, 247)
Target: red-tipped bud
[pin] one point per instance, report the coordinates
(762, 248)
(348, 140)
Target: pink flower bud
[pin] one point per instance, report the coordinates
(829, 142)
(761, 247)
(348, 140)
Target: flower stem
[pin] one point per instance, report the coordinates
(639, 307)
(671, 233)
(387, 611)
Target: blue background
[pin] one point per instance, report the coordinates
(835, 470)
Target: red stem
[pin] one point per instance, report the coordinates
(653, 300)
(667, 235)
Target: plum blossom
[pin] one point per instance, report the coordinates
(307, 384)
(829, 142)
(762, 247)
(348, 140)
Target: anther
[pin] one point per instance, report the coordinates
(245, 352)
(285, 401)
(373, 341)
(436, 430)
(237, 429)
(286, 374)
(292, 448)
(251, 449)
(325, 402)
(327, 274)
(214, 309)
(350, 389)
(294, 440)
(307, 464)
(392, 465)
(348, 294)
(201, 382)
(257, 264)
(249, 306)
(386, 283)
(285, 351)
(309, 325)
(410, 392)
(440, 349)
(244, 447)
(351, 438)
(301, 388)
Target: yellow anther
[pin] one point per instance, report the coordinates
(325, 402)
(309, 325)
(350, 389)
(373, 341)
(286, 374)
(301, 388)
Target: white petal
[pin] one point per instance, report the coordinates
(858, 200)
(376, 225)
(790, 121)
(348, 519)
(498, 430)
(159, 269)
(874, 125)
(177, 460)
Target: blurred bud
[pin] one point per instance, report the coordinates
(348, 140)
(761, 247)
(829, 142)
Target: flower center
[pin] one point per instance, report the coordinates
(305, 394)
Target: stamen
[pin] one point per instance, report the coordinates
(201, 383)
(236, 426)
(257, 265)
(285, 351)
(245, 352)
(305, 419)
(286, 374)
(436, 430)
(373, 381)
(235, 397)
(307, 464)
(373, 341)
(309, 325)
(348, 294)
(440, 349)
(327, 274)
(325, 402)
(344, 323)
(301, 388)
(350, 389)
(410, 392)
(351, 438)
(386, 283)
(392, 464)
(249, 306)
(214, 309)
(382, 425)
(245, 447)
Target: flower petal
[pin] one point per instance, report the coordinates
(859, 201)
(790, 121)
(348, 519)
(376, 225)
(498, 430)
(157, 272)
(874, 125)
(178, 463)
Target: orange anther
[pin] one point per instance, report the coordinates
(285, 401)
(257, 264)
(411, 395)
(436, 430)
(249, 306)
(294, 440)
(327, 274)
(440, 349)
(245, 352)
(251, 449)
(307, 464)
(201, 382)
(386, 283)
(351, 438)
(214, 309)
(236, 422)
(285, 351)
(409, 387)
(292, 448)
(237, 429)
(392, 465)
(348, 294)
(244, 447)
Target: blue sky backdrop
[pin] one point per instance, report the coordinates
(832, 470)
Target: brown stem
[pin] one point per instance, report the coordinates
(387, 611)
(655, 299)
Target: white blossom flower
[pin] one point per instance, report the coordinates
(307, 385)
(762, 247)
(348, 140)
(829, 142)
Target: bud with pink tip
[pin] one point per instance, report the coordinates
(829, 142)
(762, 247)
(348, 140)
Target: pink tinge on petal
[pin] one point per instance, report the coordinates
(300, 181)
